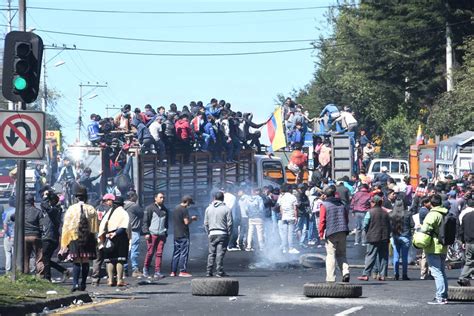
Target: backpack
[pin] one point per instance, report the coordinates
(447, 229)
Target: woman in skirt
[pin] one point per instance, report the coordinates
(78, 238)
(114, 236)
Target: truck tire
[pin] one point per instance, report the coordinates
(215, 287)
(461, 293)
(311, 260)
(341, 290)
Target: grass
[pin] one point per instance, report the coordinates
(27, 288)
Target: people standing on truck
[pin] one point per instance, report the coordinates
(143, 136)
(347, 120)
(295, 136)
(224, 130)
(197, 126)
(155, 228)
(170, 137)
(78, 238)
(256, 214)
(50, 224)
(330, 113)
(114, 235)
(184, 136)
(93, 130)
(377, 228)
(102, 209)
(135, 215)
(182, 242)
(8, 220)
(325, 158)
(367, 154)
(33, 235)
(218, 225)
(123, 119)
(156, 131)
(288, 207)
(334, 228)
(213, 109)
(360, 204)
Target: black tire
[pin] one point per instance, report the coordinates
(313, 261)
(342, 290)
(461, 293)
(215, 287)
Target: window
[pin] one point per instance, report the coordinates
(376, 167)
(395, 167)
(403, 168)
(386, 164)
(273, 171)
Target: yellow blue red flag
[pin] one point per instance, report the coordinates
(276, 131)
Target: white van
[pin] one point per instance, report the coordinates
(397, 168)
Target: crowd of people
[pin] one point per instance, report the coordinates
(214, 128)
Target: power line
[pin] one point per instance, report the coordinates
(189, 12)
(175, 41)
(189, 54)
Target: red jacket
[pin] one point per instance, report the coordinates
(183, 130)
(299, 158)
(361, 201)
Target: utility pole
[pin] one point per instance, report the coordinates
(19, 239)
(449, 59)
(79, 120)
(44, 103)
(11, 105)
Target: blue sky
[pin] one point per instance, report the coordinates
(249, 83)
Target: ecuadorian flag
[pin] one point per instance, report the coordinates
(276, 131)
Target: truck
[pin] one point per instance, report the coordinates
(198, 178)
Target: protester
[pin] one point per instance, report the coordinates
(333, 227)
(287, 203)
(114, 235)
(102, 209)
(135, 215)
(466, 234)
(33, 235)
(78, 238)
(402, 225)
(155, 228)
(256, 216)
(377, 227)
(244, 218)
(182, 243)
(218, 225)
(423, 211)
(8, 217)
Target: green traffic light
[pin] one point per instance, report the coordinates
(19, 83)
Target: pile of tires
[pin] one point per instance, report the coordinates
(336, 290)
(461, 293)
(215, 287)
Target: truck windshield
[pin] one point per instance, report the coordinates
(273, 171)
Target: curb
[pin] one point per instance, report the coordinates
(38, 307)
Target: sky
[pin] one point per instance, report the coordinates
(250, 82)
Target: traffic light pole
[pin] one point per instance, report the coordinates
(19, 239)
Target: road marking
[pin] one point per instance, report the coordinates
(76, 309)
(349, 311)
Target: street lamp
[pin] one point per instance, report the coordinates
(44, 102)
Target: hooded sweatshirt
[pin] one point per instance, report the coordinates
(218, 219)
(255, 207)
(431, 223)
(135, 214)
(183, 129)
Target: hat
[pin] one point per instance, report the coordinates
(108, 196)
(187, 198)
(30, 198)
(384, 169)
(119, 201)
(376, 199)
(81, 191)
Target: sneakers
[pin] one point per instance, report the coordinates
(222, 275)
(464, 282)
(172, 274)
(438, 301)
(346, 278)
(284, 251)
(427, 277)
(137, 274)
(293, 251)
(209, 274)
(233, 249)
(185, 275)
(356, 244)
(158, 276)
(145, 273)
(249, 249)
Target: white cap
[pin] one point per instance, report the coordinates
(384, 169)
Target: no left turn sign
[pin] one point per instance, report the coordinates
(22, 134)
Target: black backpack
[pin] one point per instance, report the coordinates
(447, 229)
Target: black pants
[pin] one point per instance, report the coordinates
(217, 249)
(49, 246)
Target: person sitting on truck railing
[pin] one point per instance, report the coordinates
(252, 137)
(213, 109)
(86, 179)
(170, 137)
(143, 135)
(347, 120)
(93, 130)
(156, 131)
(331, 112)
(123, 119)
(184, 136)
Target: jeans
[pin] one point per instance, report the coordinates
(256, 224)
(336, 252)
(49, 246)
(302, 227)
(360, 233)
(134, 252)
(287, 230)
(377, 254)
(33, 244)
(244, 227)
(468, 269)
(217, 249)
(436, 262)
(155, 244)
(401, 246)
(180, 255)
(275, 232)
(8, 247)
(313, 228)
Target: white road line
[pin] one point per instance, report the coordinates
(349, 311)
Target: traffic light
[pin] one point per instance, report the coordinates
(22, 66)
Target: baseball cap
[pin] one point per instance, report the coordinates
(384, 169)
(376, 198)
(108, 196)
(187, 198)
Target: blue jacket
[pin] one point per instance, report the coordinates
(209, 129)
(215, 112)
(94, 130)
(296, 136)
(329, 108)
(142, 131)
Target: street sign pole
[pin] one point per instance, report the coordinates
(19, 239)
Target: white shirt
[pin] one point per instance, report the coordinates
(287, 202)
(243, 206)
(155, 129)
(229, 200)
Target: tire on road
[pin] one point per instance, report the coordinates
(340, 290)
(461, 293)
(215, 287)
(311, 260)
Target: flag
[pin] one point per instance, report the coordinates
(276, 132)
(419, 136)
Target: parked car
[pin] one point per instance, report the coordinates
(397, 168)
(6, 183)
